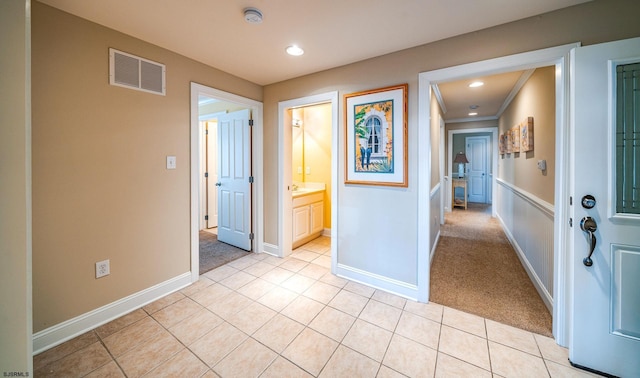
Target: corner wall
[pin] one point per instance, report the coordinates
(100, 186)
(15, 190)
(525, 203)
(371, 240)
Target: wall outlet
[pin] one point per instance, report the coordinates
(102, 268)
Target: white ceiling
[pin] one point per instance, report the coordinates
(332, 33)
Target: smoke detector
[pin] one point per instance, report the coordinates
(252, 15)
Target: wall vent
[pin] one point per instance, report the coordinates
(130, 71)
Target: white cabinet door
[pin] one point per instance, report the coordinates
(301, 224)
(317, 217)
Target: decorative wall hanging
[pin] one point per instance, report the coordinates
(526, 135)
(376, 137)
(515, 138)
(508, 141)
(502, 143)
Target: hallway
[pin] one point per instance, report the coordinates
(475, 269)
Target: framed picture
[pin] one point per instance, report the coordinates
(526, 135)
(502, 141)
(508, 141)
(515, 138)
(376, 137)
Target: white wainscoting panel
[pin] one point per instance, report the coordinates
(528, 222)
(434, 204)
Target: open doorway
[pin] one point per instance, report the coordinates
(472, 239)
(307, 169)
(225, 211)
(531, 223)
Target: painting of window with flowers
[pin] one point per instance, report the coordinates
(376, 137)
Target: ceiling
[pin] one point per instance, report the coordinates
(332, 32)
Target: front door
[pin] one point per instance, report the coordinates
(234, 172)
(605, 113)
(477, 150)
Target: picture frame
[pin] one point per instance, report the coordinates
(508, 141)
(376, 131)
(502, 141)
(515, 138)
(526, 135)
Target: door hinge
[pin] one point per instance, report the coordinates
(206, 217)
(250, 179)
(570, 200)
(250, 122)
(570, 222)
(206, 174)
(251, 236)
(206, 132)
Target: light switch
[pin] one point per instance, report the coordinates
(308, 170)
(299, 170)
(171, 162)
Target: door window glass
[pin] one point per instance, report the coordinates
(628, 138)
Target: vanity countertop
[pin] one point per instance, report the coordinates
(305, 191)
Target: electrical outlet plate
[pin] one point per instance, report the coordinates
(102, 268)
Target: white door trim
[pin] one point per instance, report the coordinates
(490, 146)
(494, 158)
(285, 175)
(556, 56)
(256, 156)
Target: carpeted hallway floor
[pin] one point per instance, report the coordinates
(476, 270)
(214, 253)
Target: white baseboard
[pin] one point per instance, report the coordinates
(433, 249)
(326, 232)
(271, 249)
(390, 285)
(71, 328)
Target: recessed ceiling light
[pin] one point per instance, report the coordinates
(252, 15)
(476, 84)
(294, 50)
(473, 114)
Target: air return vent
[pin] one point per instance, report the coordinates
(130, 71)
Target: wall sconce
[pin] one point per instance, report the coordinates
(461, 160)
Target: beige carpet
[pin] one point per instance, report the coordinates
(475, 269)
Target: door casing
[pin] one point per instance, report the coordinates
(257, 212)
(285, 174)
(555, 56)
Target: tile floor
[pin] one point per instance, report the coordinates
(261, 316)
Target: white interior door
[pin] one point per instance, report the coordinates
(606, 295)
(212, 173)
(477, 149)
(234, 187)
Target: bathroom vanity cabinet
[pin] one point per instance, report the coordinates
(308, 216)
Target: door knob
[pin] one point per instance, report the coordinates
(589, 225)
(218, 184)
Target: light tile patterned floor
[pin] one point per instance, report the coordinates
(262, 316)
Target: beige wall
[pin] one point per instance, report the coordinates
(590, 23)
(100, 187)
(15, 195)
(536, 99)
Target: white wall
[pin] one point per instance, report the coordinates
(528, 223)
